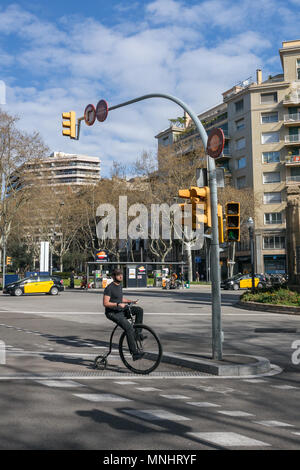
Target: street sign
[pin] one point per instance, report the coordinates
(102, 110)
(90, 114)
(215, 143)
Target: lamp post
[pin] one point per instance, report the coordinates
(250, 225)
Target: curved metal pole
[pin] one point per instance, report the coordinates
(215, 268)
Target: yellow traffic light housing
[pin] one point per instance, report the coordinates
(220, 224)
(232, 212)
(199, 198)
(8, 260)
(69, 126)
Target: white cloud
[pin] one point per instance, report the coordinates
(169, 51)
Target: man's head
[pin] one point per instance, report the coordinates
(117, 275)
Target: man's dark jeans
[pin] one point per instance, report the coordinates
(120, 319)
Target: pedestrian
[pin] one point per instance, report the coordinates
(197, 276)
(72, 277)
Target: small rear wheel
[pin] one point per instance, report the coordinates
(100, 363)
(54, 291)
(150, 347)
(235, 286)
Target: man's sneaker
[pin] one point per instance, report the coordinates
(141, 337)
(137, 356)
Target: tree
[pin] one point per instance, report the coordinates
(16, 148)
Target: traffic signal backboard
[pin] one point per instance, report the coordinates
(232, 212)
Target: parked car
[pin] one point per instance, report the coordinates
(35, 285)
(243, 281)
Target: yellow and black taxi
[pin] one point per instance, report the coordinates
(243, 281)
(51, 285)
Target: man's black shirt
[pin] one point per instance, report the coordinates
(115, 292)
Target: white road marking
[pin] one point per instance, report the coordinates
(156, 415)
(100, 397)
(175, 397)
(227, 439)
(202, 404)
(254, 381)
(235, 413)
(60, 383)
(296, 433)
(283, 387)
(274, 424)
(125, 382)
(148, 389)
(32, 312)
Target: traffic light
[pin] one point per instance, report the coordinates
(69, 126)
(8, 260)
(199, 198)
(232, 212)
(220, 223)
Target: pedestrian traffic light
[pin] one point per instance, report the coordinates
(200, 199)
(69, 126)
(8, 260)
(232, 212)
(220, 223)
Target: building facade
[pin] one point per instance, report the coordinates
(66, 169)
(261, 123)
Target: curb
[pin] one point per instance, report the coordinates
(286, 309)
(231, 365)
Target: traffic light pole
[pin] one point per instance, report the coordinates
(215, 267)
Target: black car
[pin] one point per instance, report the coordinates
(35, 285)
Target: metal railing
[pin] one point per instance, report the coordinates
(292, 159)
(292, 138)
(291, 117)
(293, 179)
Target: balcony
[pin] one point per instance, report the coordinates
(293, 179)
(292, 99)
(292, 160)
(292, 139)
(292, 119)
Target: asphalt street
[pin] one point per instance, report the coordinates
(52, 398)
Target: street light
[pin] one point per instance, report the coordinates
(250, 225)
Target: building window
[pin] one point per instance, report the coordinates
(273, 242)
(271, 177)
(240, 124)
(240, 143)
(298, 69)
(270, 157)
(269, 137)
(272, 198)
(239, 106)
(273, 218)
(269, 117)
(268, 98)
(241, 163)
(241, 182)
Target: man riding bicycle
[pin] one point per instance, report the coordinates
(115, 310)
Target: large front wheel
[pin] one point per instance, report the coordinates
(150, 346)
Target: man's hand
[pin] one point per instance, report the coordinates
(122, 305)
(135, 301)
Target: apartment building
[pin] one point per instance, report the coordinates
(66, 168)
(59, 169)
(261, 123)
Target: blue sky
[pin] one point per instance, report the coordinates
(61, 55)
